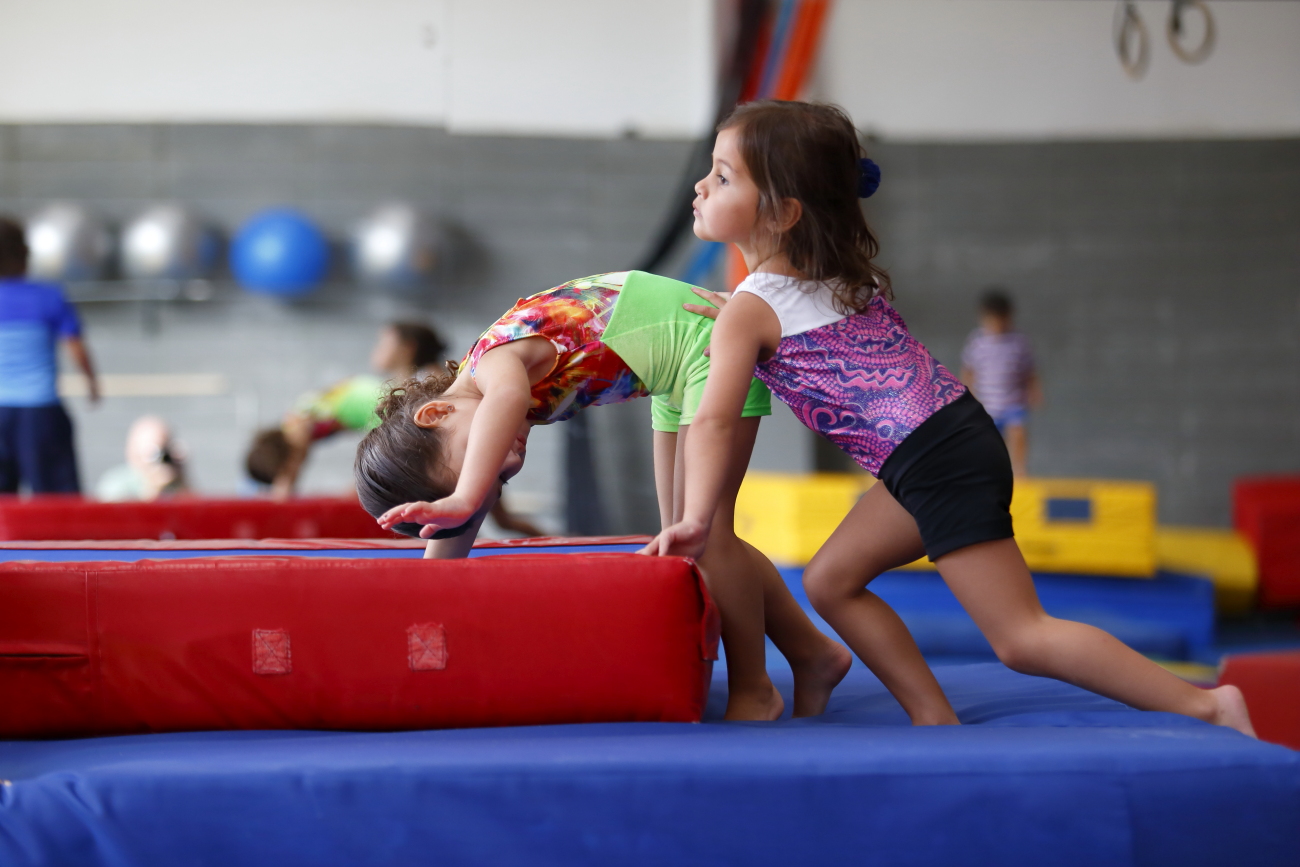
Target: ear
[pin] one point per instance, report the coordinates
(787, 216)
(432, 412)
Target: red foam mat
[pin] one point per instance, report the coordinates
(1271, 684)
(1266, 509)
(272, 544)
(292, 643)
(72, 518)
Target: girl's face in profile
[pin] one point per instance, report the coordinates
(726, 201)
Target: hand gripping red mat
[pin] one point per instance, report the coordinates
(290, 643)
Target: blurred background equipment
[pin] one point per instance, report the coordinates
(168, 242)
(1191, 35)
(396, 246)
(279, 252)
(67, 241)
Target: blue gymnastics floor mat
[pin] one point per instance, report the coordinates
(1042, 773)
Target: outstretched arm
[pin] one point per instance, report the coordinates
(744, 327)
(502, 376)
(458, 547)
(81, 356)
(297, 430)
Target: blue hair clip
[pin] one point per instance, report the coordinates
(869, 181)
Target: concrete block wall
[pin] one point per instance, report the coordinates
(1160, 282)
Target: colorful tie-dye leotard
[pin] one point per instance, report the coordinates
(618, 336)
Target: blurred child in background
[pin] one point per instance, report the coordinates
(36, 446)
(403, 350)
(998, 366)
(277, 455)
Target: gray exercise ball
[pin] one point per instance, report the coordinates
(396, 246)
(168, 242)
(68, 242)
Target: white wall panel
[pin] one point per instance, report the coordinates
(240, 60)
(1041, 69)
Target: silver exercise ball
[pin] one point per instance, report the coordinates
(68, 242)
(396, 246)
(168, 242)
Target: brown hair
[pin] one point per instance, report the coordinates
(810, 152)
(427, 347)
(399, 461)
(13, 248)
(267, 455)
(996, 302)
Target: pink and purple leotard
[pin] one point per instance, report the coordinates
(862, 380)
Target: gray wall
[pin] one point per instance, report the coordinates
(1159, 281)
(527, 213)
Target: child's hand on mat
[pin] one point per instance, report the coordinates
(441, 514)
(683, 539)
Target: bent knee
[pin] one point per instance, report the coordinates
(821, 587)
(828, 587)
(1024, 648)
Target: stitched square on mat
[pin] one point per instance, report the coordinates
(426, 647)
(271, 652)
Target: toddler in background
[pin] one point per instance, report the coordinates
(998, 366)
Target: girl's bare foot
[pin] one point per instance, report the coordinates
(761, 705)
(814, 680)
(1230, 710)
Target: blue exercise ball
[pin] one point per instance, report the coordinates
(279, 252)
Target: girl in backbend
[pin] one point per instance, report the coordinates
(435, 464)
(814, 317)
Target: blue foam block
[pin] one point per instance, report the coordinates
(1170, 616)
(1042, 773)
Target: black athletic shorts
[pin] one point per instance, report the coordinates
(953, 475)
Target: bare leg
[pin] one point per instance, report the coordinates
(877, 535)
(993, 584)
(818, 662)
(739, 597)
(1018, 447)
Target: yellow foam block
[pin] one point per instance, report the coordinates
(1223, 556)
(788, 516)
(1089, 526)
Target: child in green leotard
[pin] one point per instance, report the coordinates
(437, 460)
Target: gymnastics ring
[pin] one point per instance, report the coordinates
(1174, 30)
(1132, 43)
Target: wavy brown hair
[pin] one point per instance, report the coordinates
(399, 461)
(810, 152)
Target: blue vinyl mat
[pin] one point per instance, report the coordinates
(1042, 773)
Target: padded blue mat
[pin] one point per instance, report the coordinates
(1042, 773)
(1170, 616)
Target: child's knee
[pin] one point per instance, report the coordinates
(1023, 648)
(823, 586)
